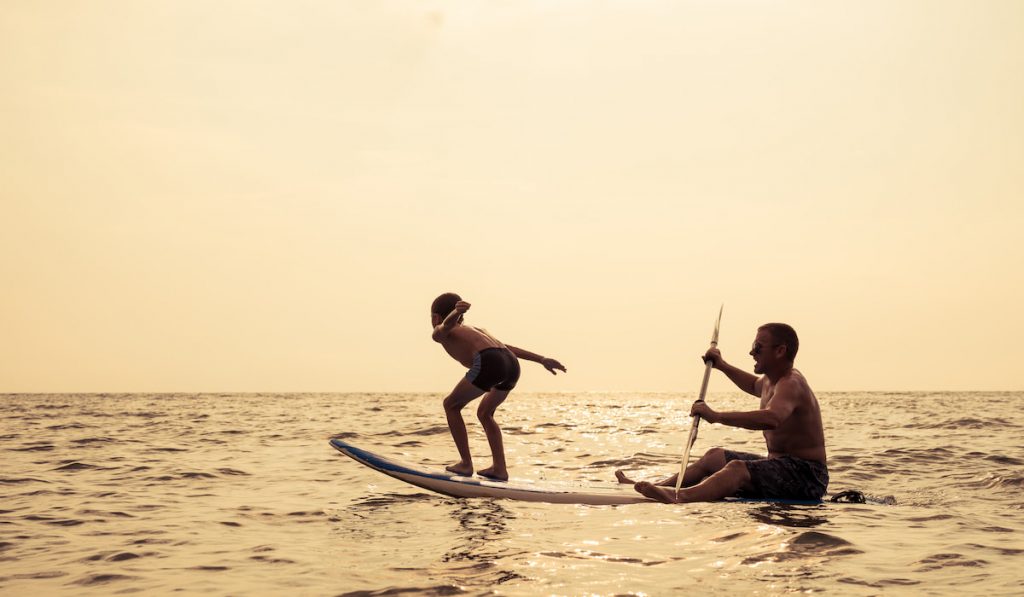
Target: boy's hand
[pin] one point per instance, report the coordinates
(551, 365)
(462, 306)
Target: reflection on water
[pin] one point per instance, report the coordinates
(229, 494)
(477, 559)
(785, 515)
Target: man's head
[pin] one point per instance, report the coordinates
(775, 343)
(442, 306)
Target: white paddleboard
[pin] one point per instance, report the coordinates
(527, 490)
(442, 481)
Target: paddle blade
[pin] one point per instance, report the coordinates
(718, 323)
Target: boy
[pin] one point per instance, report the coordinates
(493, 368)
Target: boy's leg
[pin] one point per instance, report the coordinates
(485, 412)
(460, 396)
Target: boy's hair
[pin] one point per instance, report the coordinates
(445, 304)
(785, 335)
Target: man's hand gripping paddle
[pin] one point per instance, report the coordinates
(696, 418)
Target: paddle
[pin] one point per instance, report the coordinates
(696, 418)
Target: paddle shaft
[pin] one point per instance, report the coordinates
(695, 423)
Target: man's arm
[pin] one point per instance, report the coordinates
(780, 407)
(747, 382)
(549, 364)
(451, 321)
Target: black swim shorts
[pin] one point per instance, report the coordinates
(495, 368)
(784, 477)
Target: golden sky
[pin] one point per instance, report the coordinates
(266, 196)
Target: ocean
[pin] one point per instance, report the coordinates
(228, 494)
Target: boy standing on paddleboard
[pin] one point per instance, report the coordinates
(493, 369)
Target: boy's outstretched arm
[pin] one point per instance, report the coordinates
(549, 364)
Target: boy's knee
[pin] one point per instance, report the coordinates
(484, 416)
(451, 403)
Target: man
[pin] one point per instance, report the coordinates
(790, 417)
(493, 373)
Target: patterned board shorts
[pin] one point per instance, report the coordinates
(784, 477)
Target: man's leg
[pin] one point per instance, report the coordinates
(485, 412)
(710, 463)
(725, 483)
(459, 397)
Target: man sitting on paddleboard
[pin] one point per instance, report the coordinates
(493, 368)
(795, 467)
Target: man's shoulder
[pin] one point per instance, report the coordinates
(794, 384)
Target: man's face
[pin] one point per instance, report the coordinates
(763, 350)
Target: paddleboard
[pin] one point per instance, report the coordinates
(444, 482)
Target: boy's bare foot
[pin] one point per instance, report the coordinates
(621, 476)
(662, 494)
(490, 473)
(461, 468)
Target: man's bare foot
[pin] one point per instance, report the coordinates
(461, 468)
(490, 473)
(662, 494)
(621, 476)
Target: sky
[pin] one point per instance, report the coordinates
(256, 196)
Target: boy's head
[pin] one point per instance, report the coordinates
(442, 306)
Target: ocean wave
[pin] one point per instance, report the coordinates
(93, 440)
(1002, 481)
(806, 545)
(20, 480)
(942, 561)
(62, 426)
(115, 513)
(433, 430)
(999, 458)
(75, 466)
(586, 554)
(233, 472)
(412, 443)
(964, 423)
(443, 590)
(93, 580)
(36, 447)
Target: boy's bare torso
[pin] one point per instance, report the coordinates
(801, 435)
(463, 341)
